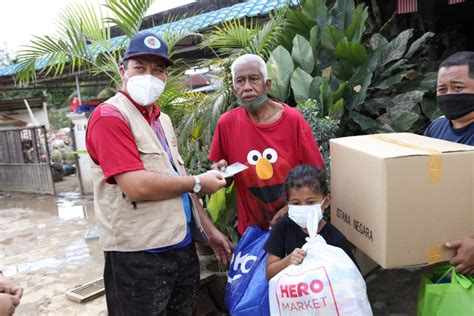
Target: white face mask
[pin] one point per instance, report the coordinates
(306, 216)
(144, 89)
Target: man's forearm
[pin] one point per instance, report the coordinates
(147, 185)
(206, 222)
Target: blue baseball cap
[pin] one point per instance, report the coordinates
(148, 44)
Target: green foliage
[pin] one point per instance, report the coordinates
(280, 67)
(222, 208)
(195, 157)
(83, 41)
(58, 98)
(302, 53)
(58, 120)
(366, 82)
(300, 83)
(83, 44)
(199, 125)
(241, 36)
(128, 15)
(19, 94)
(79, 25)
(106, 93)
(324, 128)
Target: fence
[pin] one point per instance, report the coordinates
(24, 161)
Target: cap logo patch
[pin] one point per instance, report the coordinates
(152, 42)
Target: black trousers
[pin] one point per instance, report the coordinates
(141, 283)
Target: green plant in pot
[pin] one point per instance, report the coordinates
(221, 205)
(222, 208)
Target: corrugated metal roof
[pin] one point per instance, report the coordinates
(198, 22)
(7, 70)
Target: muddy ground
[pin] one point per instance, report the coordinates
(42, 247)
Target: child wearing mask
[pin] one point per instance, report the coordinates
(306, 192)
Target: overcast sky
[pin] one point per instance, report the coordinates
(20, 19)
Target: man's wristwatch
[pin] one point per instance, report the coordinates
(197, 184)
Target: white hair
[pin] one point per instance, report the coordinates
(262, 67)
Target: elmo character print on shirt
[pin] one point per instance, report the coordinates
(264, 181)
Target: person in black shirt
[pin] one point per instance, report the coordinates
(455, 98)
(305, 188)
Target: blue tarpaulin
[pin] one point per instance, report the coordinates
(195, 23)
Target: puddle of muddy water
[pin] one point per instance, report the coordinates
(65, 205)
(71, 212)
(43, 248)
(70, 207)
(67, 250)
(49, 263)
(77, 252)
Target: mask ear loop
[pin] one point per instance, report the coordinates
(125, 73)
(322, 210)
(312, 223)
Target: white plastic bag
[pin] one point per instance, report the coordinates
(327, 282)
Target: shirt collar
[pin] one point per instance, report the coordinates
(462, 130)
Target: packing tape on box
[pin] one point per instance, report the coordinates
(434, 254)
(436, 157)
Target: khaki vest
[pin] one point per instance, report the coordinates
(127, 226)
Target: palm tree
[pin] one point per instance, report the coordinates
(83, 40)
(84, 43)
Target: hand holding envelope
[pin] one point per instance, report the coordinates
(231, 170)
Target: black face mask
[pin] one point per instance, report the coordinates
(456, 105)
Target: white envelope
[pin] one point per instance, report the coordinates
(232, 169)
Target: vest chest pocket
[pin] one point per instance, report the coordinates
(157, 162)
(152, 217)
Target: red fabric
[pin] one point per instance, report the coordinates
(293, 141)
(94, 102)
(409, 6)
(73, 104)
(406, 6)
(110, 141)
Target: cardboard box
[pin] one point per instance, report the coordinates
(398, 197)
(366, 265)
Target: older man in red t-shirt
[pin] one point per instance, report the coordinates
(268, 136)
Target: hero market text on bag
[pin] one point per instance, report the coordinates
(327, 282)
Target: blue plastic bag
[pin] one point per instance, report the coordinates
(247, 285)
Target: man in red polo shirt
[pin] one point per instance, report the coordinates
(145, 214)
